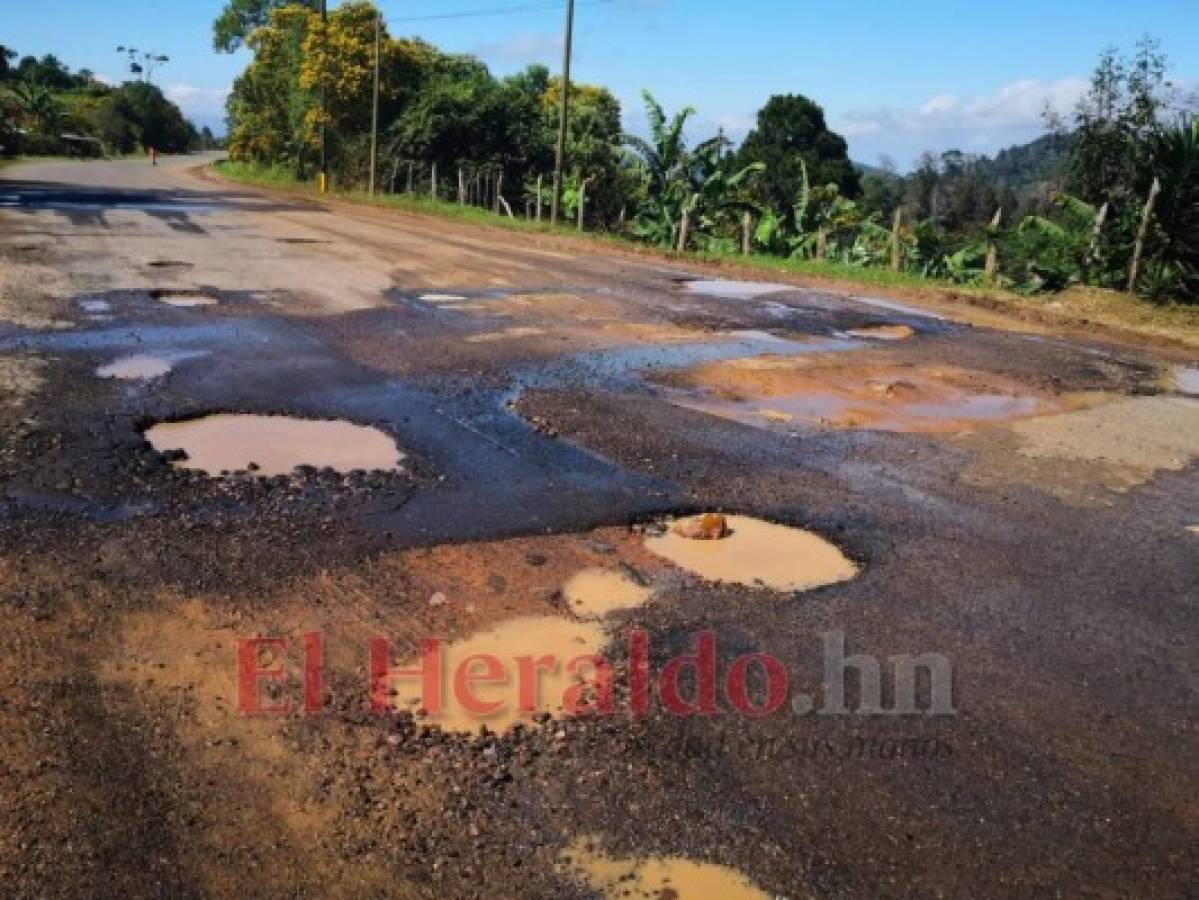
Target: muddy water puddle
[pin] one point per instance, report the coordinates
(883, 332)
(95, 306)
(772, 390)
(273, 445)
(144, 366)
(1186, 381)
(755, 553)
(184, 299)
(594, 593)
(735, 290)
(655, 877)
(506, 335)
(499, 697)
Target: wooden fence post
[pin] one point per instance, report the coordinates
(992, 262)
(896, 245)
(747, 224)
(461, 187)
(433, 182)
(821, 243)
(499, 189)
(583, 199)
(1134, 271)
(684, 228)
(540, 178)
(411, 166)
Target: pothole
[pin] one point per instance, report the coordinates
(505, 335)
(170, 264)
(183, 298)
(883, 332)
(142, 366)
(735, 290)
(753, 553)
(594, 593)
(299, 240)
(538, 637)
(272, 445)
(1186, 381)
(769, 390)
(442, 298)
(655, 877)
(95, 306)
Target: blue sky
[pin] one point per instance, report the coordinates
(895, 78)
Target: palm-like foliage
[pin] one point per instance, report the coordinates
(1173, 157)
(40, 108)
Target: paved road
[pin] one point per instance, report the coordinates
(546, 396)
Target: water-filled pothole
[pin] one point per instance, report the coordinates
(170, 264)
(273, 445)
(95, 306)
(766, 390)
(537, 637)
(505, 335)
(300, 240)
(735, 290)
(141, 366)
(654, 878)
(1186, 381)
(883, 332)
(754, 553)
(183, 298)
(593, 593)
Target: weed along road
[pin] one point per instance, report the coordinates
(346, 552)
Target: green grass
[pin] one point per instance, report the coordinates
(1079, 306)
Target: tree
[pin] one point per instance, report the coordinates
(6, 57)
(40, 109)
(241, 18)
(664, 159)
(791, 136)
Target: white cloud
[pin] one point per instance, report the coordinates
(521, 48)
(980, 124)
(199, 102)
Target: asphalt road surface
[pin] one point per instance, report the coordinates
(1019, 505)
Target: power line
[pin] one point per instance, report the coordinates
(498, 11)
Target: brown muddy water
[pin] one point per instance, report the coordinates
(143, 366)
(526, 636)
(883, 333)
(654, 878)
(594, 593)
(505, 335)
(273, 445)
(755, 554)
(772, 390)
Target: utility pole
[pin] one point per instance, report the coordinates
(375, 106)
(564, 114)
(324, 174)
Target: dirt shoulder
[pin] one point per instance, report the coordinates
(1086, 313)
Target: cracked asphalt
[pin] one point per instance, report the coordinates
(544, 393)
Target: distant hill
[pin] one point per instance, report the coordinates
(1019, 166)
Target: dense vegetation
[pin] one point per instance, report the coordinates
(47, 109)
(1070, 208)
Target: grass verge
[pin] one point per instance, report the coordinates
(1088, 309)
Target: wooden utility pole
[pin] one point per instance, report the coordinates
(375, 103)
(323, 180)
(1142, 233)
(896, 245)
(563, 113)
(992, 262)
